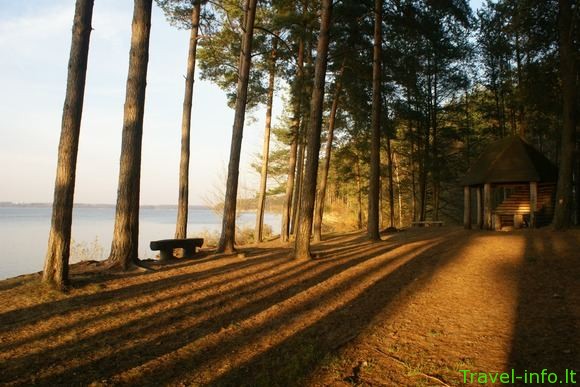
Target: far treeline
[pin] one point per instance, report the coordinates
(404, 94)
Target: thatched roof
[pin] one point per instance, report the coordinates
(511, 160)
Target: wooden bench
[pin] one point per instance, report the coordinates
(427, 223)
(166, 246)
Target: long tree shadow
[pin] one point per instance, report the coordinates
(547, 327)
(173, 291)
(46, 310)
(170, 294)
(297, 355)
(137, 341)
(143, 330)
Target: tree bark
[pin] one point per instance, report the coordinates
(522, 123)
(299, 178)
(358, 177)
(124, 247)
(569, 95)
(297, 119)
(288, 197)
(375, 177)
(435, 147)
(391, 185)
(227, 239)
(304, 230)
(302, 142)
(183, 202)
(319, 207)
(266, 147)
(423, 173)
(395, 165)
(57, 255)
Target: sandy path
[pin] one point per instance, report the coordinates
(505, 301)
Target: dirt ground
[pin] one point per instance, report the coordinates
(413, 309)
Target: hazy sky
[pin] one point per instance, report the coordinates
(34, 49)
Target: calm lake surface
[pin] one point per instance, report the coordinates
(24, 232)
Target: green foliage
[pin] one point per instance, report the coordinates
(452, 83)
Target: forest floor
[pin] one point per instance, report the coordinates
(413, 309)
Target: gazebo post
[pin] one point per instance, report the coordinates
(533, 203)
(487, 206)
(466, 207)
(479, 207)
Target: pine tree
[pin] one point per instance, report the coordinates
(125, 244)
(57, 255)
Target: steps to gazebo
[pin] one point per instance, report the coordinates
(514, 211)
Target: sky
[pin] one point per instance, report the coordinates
(34, 50)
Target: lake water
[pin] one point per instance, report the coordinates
(24, 232)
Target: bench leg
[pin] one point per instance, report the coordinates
(188, 252)
(165, 255)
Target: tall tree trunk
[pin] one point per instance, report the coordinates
(412, 160)
(435, 147)
(304, 230)
(424, 171)
(266, 147)
(57, 255)
(522, 123)
(577, 182)
(299, 177)
(569, 95)
(375, 176)
(288, 197)
(395, 166)
(125, 244)
(497, 111)
(302, 142)
(319, 207)
(183, 203)
(227, 239)
(359, 195)
(296, 122)
(391, 185)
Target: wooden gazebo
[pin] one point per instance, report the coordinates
(514, 185)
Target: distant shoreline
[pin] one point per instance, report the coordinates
(97, 205)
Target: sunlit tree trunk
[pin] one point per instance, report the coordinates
(569, 95)
(423, 171)
(391, 185)
(57, 255)
(412, 160)
(302, 143)
(319, 207)
(124, 247)
(375, 177)
(358, 178)
(227, 239)
(400, 196)
(299, 177)
(266, 147)
(297, 119)
(183, 203)
(304, 229)
(288, 197)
